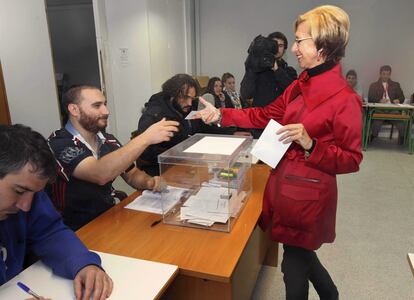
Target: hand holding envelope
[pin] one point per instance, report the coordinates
(268, 148)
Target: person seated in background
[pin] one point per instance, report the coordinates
(30, 225)
(175, 101)
(412, 99)
(215, 87)
(89, 159)
(229, 89)
(386, 91)
(352, 79)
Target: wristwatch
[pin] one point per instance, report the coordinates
(309, 151)
(218, 123)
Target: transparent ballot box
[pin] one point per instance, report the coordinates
(206, 181)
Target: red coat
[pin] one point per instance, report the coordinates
(300, 198)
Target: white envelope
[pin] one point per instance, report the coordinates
(268, 148)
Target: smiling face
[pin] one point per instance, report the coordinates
(305, 49)
(217, 87)
(230, 84)
(91, 112)
(17, 190)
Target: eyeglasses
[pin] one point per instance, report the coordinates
(298, 41)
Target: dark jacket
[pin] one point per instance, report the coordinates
(376, 91)
(300, 199)
(227, 101)
(161, 106)
(264, 87)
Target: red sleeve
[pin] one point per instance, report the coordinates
(258, 117)
(345, 154)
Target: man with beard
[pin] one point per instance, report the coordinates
(174, 102)
(89, 159)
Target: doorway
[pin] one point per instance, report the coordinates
(73, 42)
(4, 107)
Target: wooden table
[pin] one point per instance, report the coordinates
(212, 265)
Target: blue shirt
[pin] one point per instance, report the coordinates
(41, 232)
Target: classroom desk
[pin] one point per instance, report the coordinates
(384, 111)
(212, 265)
(150, 280)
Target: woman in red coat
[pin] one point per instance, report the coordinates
(321, 114)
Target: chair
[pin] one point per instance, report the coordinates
(202, 82)
(390, 117)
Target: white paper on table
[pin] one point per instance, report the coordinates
(268, 148)
(147, 278)
(151, 201)
(215, 145)
(191, 114)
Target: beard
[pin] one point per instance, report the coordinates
(184, 110)
(91, 123)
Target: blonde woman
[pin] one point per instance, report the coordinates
(321, 115)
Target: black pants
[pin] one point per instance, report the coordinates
(299, 266)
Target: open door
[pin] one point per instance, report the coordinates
(4, 107)
(99, 12)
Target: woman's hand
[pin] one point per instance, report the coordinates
(295, 133)
(210, 114)
(221, 97)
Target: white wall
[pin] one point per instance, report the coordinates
(72, 33)
(167, 40)
(381, 33)
(27, 65)
(146, 46)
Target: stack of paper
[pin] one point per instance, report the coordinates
(151, 201)
(209, 205)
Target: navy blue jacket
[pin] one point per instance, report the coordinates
(41, 232)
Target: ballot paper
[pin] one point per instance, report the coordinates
(216, 145)
(212, 205)
(268, 148)
(150, 201)
(191, 115)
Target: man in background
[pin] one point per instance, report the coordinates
(30, 225)
(175, 101)
(352, 79)
(89, 159)
(266, 77)
(386, 91)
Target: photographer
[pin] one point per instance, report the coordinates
(267, 74)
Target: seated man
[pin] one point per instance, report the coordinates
(386, 91)
(174, 102)
(352, 79)
(89, 159)
(29, 224)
